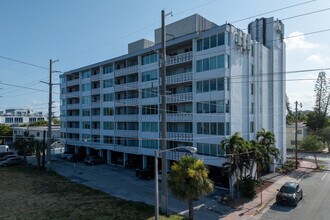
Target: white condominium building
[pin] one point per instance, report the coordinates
(220, 80)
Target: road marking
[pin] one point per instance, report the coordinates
(324, 176)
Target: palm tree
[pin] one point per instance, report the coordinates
(189, 180)
(267, 148)
(238, 151)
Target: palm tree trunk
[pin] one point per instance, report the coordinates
(317, 165)
(191, 209)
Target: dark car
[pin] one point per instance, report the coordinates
(95, 159)
(2, 154)
(145, 173)
(16, 160)
(290, 193)
(77, 157)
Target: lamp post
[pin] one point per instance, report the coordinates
(157, 152)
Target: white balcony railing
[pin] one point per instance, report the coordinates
(181, 97)
(180, 58)
(178, 136)
(127, 102)
(179, 117)
(126, 86)
(127, 70)
(179, 78)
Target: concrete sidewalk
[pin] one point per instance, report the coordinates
(254, 207)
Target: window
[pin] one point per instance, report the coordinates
(108, 111)
(107, 83)
(213, 84)
(108, 125)
(213, 128)
(252, 108)
(252, 89)
(206, 128)
(199, 45)
(252, 50)
(199, 107)
(220, 106)
(150, 126)
(151, 144)
(206, 85)
(86, 112)
(86, 87)
(199, 65)
(199, 128)
(149, 109)
(213, 41)
(221, 61)
(108, 139)
(213, 63)
(149, 75)
(107, 69)
(251, 127)
(149, 58)
(86, 100)
(206, 107)
(227, 106)
(221, 39)
(86, 74)
(221, 128)
(199, 86)
(213, 108)
(252, 69)
(86, 125)
(108, 97)
(227, 128)
(149, 93)
(206, 42)
(220, 84)
(206, 65)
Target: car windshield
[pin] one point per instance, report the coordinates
(287, 189)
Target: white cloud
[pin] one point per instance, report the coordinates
(296, 40)
(317, 58)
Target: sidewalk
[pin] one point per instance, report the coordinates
(254, 207)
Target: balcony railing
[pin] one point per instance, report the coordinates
(126, 86)
(127, 118)
(73, 106)
(127, 102)
(179, 117)
(127, 70)
(127, 133)
(178, 136)
(181, 97)
(180, 58)
(179, 78)
(126, 149)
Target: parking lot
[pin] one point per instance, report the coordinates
(122, 182)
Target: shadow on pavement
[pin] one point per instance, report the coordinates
(281, 208)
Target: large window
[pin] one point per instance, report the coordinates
(149, 93)
(86, 100)
(108, 97)
(108, 125)
(149, 75)
(150, 126)
(210, 149)
(213, 41)
(210, 85)
(86, 125)
(86, 87)
(108, 139)
(108, 111)
(217, 62)
(86, 112)
(217, 106)
(213, 128)
(149, 109)
(86, 74)
(149, 58)
(107, 69)
(107, 83)
(149, 143)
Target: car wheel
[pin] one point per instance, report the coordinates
(295, 202)
(301, 195)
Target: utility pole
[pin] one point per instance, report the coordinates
(49, 133)
(296, 133)
(163, 107)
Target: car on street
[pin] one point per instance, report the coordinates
(66, 155)
(290, 193)
(2, 154)
(77, 157)
(16, 160)
(94, 159)
(146, 173)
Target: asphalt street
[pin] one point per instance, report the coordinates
(314, 205)
(122, 183)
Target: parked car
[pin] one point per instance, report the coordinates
(8, 156)
(95, 159)
(2, 154)
(17, 160)
(77, 157)
(290, 193)
(145, 173)
(66, 155)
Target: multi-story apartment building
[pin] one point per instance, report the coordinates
(220, 80)
(16, 117)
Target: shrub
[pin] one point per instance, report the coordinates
(249, 186)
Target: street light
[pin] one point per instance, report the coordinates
(157, 152)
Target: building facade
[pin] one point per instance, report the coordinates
(220, 80)
(16, 117)
(291, 134)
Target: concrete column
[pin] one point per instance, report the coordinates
(125, 158)
(144, 161)
(109, 156)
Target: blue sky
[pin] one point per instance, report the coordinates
(81, 32)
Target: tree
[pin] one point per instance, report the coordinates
(318, 118)
(237, 149)
(22, 144)
(325, 134)
(313, 144)
(188, 180)
(5, 132)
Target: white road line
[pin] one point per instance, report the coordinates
(324, 176)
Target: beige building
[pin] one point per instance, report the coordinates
(290, 135)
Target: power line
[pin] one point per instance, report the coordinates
(23, 62)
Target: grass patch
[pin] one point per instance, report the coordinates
(29, 193)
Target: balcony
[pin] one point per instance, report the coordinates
(71, 82)
(127, 70)
(72, 130)
(181, 97)
(179, 78)
(72, 94)
(96, 91)
(179, 117)
(127, 102)
(126, 149)
(180, 58)
(126, 86)
(177, 136)
(127, 118)
(72, 106)
(127, 133)
(72, 118)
